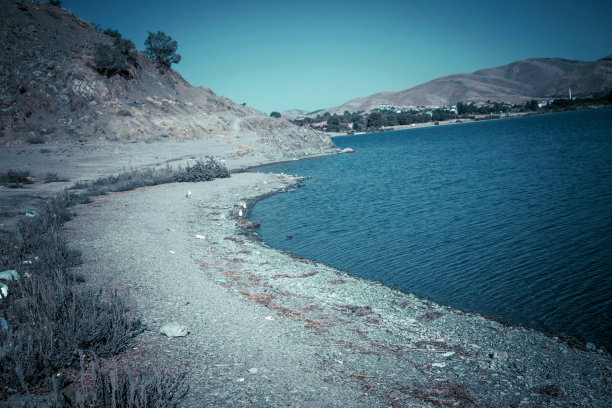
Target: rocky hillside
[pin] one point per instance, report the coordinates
(50, 91)
(537, 78)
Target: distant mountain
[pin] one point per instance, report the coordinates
(50, 91)
(534, 78)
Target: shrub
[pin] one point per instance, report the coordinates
(122, 386)
(35, 140)
(15, 178)
(203, 171)
(116, 59)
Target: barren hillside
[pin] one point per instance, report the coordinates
(536, 78)
(50, 91)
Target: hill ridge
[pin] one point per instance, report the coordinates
(516, 82)
(51, 92)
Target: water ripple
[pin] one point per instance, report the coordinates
(509, 218)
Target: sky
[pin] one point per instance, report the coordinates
(309, 55)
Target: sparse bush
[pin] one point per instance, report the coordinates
(122, 386)
(203, 171)
(52, 177)
(35, 139)
(116, 59)
(162, 49)
(112, 33)
(15, 178)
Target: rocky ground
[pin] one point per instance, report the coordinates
(267, 329)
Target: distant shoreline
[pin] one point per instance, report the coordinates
(478, 118)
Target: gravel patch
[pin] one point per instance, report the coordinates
(267, 329)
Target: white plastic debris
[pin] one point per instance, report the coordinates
(3, 291)
(240, 213)
(3, 325)
(200, 236)
(172, 252)
(174, 330)
(11, 274)
(188, 195)
(269, 318)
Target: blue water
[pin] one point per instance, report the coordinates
(510, 218)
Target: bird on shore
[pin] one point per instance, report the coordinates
(188, 195)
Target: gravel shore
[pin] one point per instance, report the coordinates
(268, 329)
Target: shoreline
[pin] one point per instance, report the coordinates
(480, 118)
(364, 343)
(270, 329)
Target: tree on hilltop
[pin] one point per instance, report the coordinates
(275, 114)
(162, 49)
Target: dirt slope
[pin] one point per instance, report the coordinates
(51, 92)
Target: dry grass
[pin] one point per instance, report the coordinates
(52, 318)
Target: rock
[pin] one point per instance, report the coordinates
(347, 150)
(3, 291)
(3, 325)
(174, 330)
(591, 346)
(245, 224)
(10, 274)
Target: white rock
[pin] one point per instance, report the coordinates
(8, 275)
(3, 290)
(174, 330)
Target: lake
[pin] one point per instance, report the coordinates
(510, 218)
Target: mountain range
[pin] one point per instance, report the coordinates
(517, 82)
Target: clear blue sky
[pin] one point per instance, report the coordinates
(278, 55)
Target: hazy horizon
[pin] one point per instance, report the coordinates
(275, 56)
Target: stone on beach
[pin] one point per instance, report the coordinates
(10, 274)
(174, 330)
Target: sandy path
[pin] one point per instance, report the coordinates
(269, 330)
(145, 241)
